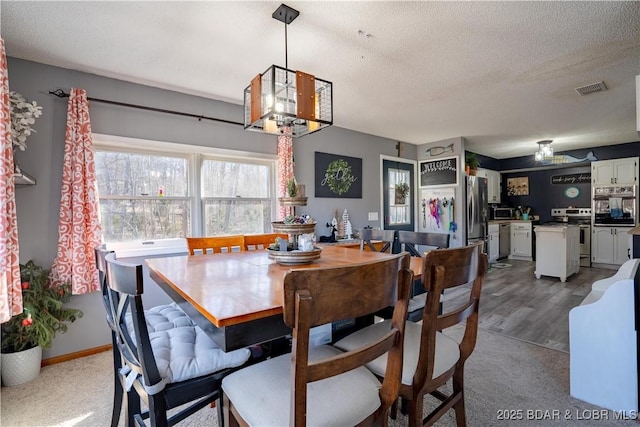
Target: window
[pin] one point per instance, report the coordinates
(399, 208)
(145, 193)
(236, 197)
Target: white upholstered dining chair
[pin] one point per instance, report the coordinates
(323, 385)
(431, 357)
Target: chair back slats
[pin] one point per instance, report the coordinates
(348, 361)
(124, 278)
(458, 315)
(216, 244)
(323, 295)
(101, 265)
(127, 281)
(254, 242)
(328, 286)
(368, 235)
(410, 239)
(446, 269)
(110, 301)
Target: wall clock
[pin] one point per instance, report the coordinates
(572, 192)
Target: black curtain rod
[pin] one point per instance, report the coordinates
(61, 94)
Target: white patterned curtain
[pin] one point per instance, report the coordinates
(285, 166)
(10, 291)
(79, 231)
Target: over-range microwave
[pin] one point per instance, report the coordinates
(502, 213)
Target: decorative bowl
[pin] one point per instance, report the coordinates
(293, 257)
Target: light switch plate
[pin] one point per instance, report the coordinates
(373, 216)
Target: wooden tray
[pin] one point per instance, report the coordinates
(295, 229)
(294, 257)
(292, 201)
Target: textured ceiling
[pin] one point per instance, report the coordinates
(500, 74)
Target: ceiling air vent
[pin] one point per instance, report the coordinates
(591, 88)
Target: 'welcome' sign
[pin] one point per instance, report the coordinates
(439, 172)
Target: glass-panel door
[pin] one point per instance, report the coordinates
(398, 194)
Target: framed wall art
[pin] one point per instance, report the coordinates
(338, 176)
(518, 186)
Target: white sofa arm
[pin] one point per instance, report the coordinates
(602, 342)
(626, 271)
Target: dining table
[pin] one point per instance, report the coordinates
(237, 297)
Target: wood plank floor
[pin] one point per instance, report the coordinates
(516, 304)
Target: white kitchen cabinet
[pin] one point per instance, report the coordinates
(494, 184)
(557, 250)
(494, 242)
(615, 171)
(610, 245)
(521, 241)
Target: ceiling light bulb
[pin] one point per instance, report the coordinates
(269, 100)
(538, 156)
(279, 107)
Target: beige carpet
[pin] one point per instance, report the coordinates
(502, 374)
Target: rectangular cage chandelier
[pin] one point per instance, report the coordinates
(283, 101)
(545, 151)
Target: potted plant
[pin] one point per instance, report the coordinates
(292, 188)
(295, 194)
(26, 334)
(472, 163)
(402, 191)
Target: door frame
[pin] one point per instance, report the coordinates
(414, 164)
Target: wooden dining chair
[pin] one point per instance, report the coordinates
(377, 240)
(417, 243)
(323, 385)
(216, 244)
(169, 368)
(254, 242)
(431, 358)
(410, 239)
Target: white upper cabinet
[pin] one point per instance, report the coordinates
(615, 171)
(494, 183)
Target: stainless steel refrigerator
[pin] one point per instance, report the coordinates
(477, 200)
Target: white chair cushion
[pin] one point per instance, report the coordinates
(447, 349)
(417, 302)
(262, 393)
(163, 317)
(185, 353)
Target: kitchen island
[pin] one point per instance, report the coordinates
(557, 250)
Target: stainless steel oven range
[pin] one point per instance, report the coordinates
(582, 217)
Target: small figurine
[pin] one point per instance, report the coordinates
(329, 239)
(346, 226)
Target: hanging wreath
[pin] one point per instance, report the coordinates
(338, 176)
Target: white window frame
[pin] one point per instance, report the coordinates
(195, 155)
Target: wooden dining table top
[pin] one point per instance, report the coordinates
(232, 288)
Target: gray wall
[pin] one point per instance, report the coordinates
(38, 205)
(457, 144)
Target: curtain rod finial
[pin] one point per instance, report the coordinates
(59, 93)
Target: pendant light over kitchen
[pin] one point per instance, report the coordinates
(545, 151)
(281, 101)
